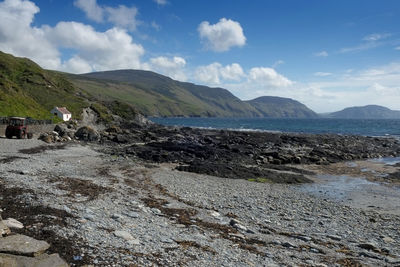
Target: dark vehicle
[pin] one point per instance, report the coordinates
(17, 127)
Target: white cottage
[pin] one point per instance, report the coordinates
(62, 113)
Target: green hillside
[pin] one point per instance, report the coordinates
(30, 91)
(279, 107)
(157, 95)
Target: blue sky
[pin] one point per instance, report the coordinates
(327, 54)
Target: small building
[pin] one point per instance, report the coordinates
(62, 113)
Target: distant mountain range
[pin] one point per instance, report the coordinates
(157, 95)
(366, 112)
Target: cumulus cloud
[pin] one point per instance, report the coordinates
(215, 73)
(321, 54)
(121, 16)
(92, 10)
(172, 67)
(93, 50)
(112, 49)
(268, 77)
(223, 35)
(20, 39)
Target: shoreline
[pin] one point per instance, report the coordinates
(99, 203)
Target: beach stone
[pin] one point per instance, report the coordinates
(43, 260)
(288, 245)
(132, 214)
(215, 214)
(134, 242)
(369, 246)
(387, 239)
(124, 234)
(4, 230)
(13, 223)
(22, 245)
(334, 237)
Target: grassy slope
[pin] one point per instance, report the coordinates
(158, 95)
(30, 91)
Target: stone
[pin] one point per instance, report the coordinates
(368, 246)
(240, 227)
(167, 240)
(132, 214)
(4, 230)
(22, 245)
(288, 245)
(156, 211)
(215, 214)
(117, 217)
(13, 223)
(89, 217)
(124, 234)
(87, 133)
(334, 237)
(134, 242)
(43, 260)
(387, 239)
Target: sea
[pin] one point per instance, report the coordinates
(364, 127)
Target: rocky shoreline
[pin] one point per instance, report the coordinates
(152, 195)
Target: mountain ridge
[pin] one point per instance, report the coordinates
(280, 107)
(366, 112)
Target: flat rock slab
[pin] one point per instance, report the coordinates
(13, 223)
(43, 260)
(22, 245)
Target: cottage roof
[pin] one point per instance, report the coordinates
(63, 110)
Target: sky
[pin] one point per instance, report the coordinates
(329, 54)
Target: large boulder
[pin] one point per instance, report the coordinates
(87, 133)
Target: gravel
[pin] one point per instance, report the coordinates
(107, 210)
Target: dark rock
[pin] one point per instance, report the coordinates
(87, 133)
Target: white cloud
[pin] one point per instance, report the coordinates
(371, 41)
(77, 65)
(172, 67)
(397, 48)
(20, 39)
(113, 49)
(321, 54)
(361, 47)
(268, 77)
(215, 73)
(376, 36)
(161, 2)
(155, 26)
(223, 35)
(121, 16)
(322, 74)
(91, 8)
(93, 50)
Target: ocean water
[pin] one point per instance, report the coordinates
(366, 127)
